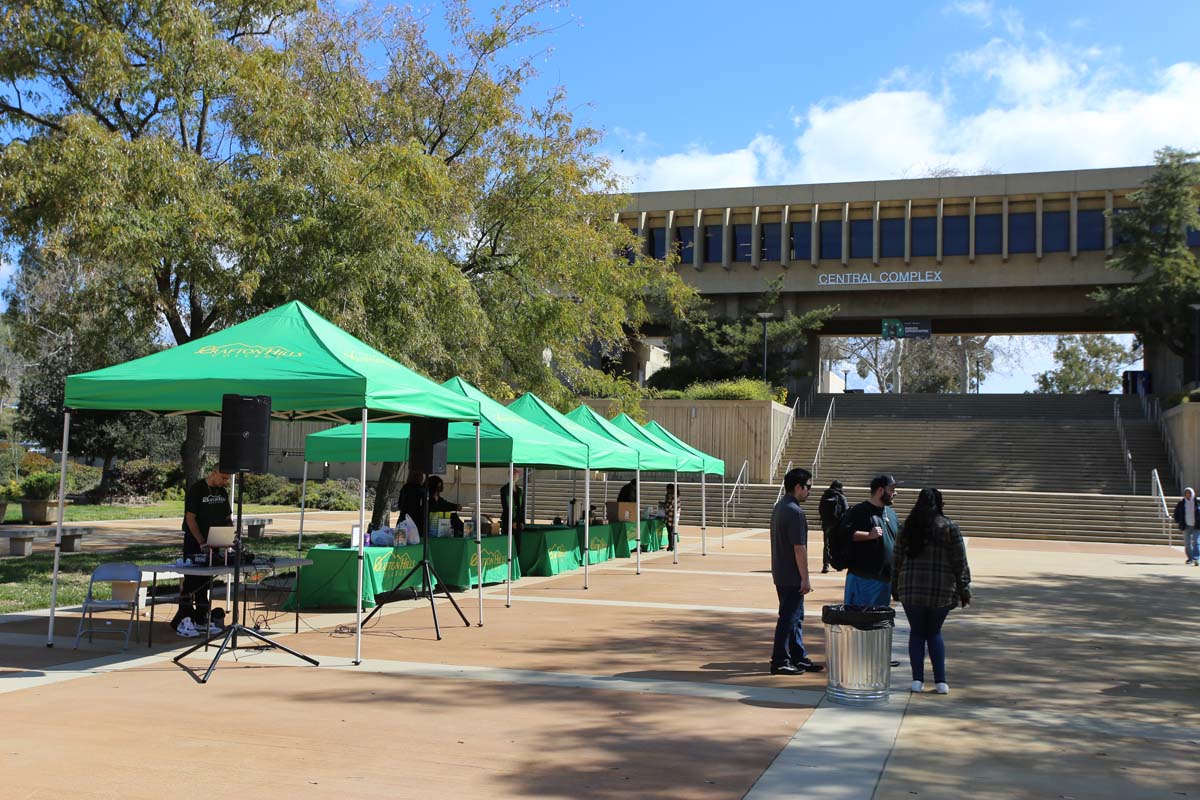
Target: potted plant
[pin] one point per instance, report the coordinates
(38, 491)
(8, 491)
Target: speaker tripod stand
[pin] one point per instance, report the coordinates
(229, 636)
(429, 578)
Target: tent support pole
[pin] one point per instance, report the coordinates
(637, 518)
(362, 535)
(703, 515)
(529, 496)
(525, 518)
(675, 520)
(478, 526)
(587, 524)
(62, 490)
(303, 499)
(512, 513)
(723, 520)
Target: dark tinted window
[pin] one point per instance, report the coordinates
(1022, 234)
(862, 235)
(686, 237)
(631, 252)
(741, 242)
(891, 238)
(989, 234)
(658, 242)
(956, 235)
(712, 243)
(1193, 237)
(1056, 231)
(831, 239)
(1091, 230)
(801, 241)
(770, 241)
(924, 237)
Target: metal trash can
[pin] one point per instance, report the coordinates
(858, 653)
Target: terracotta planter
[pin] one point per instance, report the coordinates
(36, 511)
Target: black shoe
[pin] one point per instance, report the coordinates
(808, 666)
(893, 663)
(786, 669)
(824, 570)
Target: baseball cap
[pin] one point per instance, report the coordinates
(880, 481)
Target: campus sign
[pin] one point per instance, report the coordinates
(885, 277)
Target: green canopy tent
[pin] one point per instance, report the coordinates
(603, 453)
(688, 462)
(709, 465)
(309, 367)
(651, 457)
(506, 440)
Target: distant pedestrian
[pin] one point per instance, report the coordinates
(671, 513)
(873, 526)
(931, 578)
(833, 505)
(789, 569)
(1187, 517)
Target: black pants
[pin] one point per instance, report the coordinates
(825, 534)
(789, 642)
(194, 601)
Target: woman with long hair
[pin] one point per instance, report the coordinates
(932, 577)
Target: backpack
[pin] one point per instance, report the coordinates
(841, 543)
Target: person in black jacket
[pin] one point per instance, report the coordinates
(872, 526)
(412, 499)
(833, 505)
(1187, 517)
(628, 493)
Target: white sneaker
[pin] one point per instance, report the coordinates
(187, 629)
(214, 628)
(942, 688)
(917, 686)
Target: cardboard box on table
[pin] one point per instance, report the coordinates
(621, 512)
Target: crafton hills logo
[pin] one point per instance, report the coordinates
(243, 350)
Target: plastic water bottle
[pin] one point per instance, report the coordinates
(367, 539)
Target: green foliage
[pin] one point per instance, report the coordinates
(1152, 247)
(142, 478)
(10, 490)
(272, 490)
(334, 495)
(1085, 363)
(82, 477)
(36, 462)
(740, 389)
(11, 457)
(668, 394)
(39, 486)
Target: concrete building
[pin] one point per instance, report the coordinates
(999, 254)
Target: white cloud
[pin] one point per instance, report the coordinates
(1045, 107)
(978, 10)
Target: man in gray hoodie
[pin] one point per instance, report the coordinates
(1187, 517)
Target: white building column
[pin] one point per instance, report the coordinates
(845, 234)
(875, 234)
(908, 231)
(756, 239)
(698, 241)
(785, 237)
(1037, 228)
(1004, 229)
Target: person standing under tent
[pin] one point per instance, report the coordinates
(412, 497)
(205, 506)
(628, 493)
(671, 513)
(518, 501)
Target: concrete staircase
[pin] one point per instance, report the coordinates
(1004, 515)
(1003, 443)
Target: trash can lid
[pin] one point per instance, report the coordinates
(865, 618)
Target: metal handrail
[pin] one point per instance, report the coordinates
(825, 434)
(1168, 522)
(1153, 410)
(735, 491)
(1129, 471)
(783, 440)
(812, 396)
(779, 496)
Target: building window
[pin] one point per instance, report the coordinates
(741, 242)
(1193, 237)
(956, 235)
(989, 234)
(658, 242)
(686, 237)
(1022, 233)
(924, 237)
(862, 238)
(801, 241)
(713, 239)
(770, 241)
(891, 238)
(831, 239)
(1091, 230)
(631, 252)
(1056, 231)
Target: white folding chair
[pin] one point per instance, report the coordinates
(108, 573)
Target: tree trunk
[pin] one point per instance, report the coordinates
(192, 450)
(383, 491)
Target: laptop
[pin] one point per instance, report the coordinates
(221, 536)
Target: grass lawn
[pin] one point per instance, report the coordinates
(166, 508)
(25, 582)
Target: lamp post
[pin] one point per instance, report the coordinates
(765, 316)
(845, 379)
(977, 378)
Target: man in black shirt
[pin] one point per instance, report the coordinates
(518, 522)
(206, 505)
(789, 568)
(412, 499)
(628, 493)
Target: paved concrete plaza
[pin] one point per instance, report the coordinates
(1075, 675)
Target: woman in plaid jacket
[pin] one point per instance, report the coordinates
(931, 578)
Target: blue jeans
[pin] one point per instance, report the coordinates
(1191, 543)
(925, 632)
(789, 643)
(867, 592)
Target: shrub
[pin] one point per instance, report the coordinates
(270, 489)
(741, 389)
(334, 495)
(670, 394)
(82, 478)
(10, 491)
(39, 486)
(36, 462)
(143, 478)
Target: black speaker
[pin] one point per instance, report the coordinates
(427, 446)
(245, 433)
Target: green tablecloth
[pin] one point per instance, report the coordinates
(549, 550)
(329, 581)
(456, 561)
(654, 537)
(600, 541)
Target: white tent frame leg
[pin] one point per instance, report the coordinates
(362, 535)
(478, 525)
(62, 489)
(723, 513)
(638, 518)
(303, 498)
(675, 515)
(703, 516)
(587, 524)
(512, 514)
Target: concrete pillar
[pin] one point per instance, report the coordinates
(908, 231)
(845, 234)
(785, 237)
(941, 208)
(1074, 222)
(814, 235)
(1004, 229)
(698, 241)
(669, 234)
(727, 239)
(756, 239)
(971, 234)
(875, 234)
(643, 234)
(1037, 228)
(1108, 228)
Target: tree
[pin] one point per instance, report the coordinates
(939, 364)
(1151, 245)
(1090, 362)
